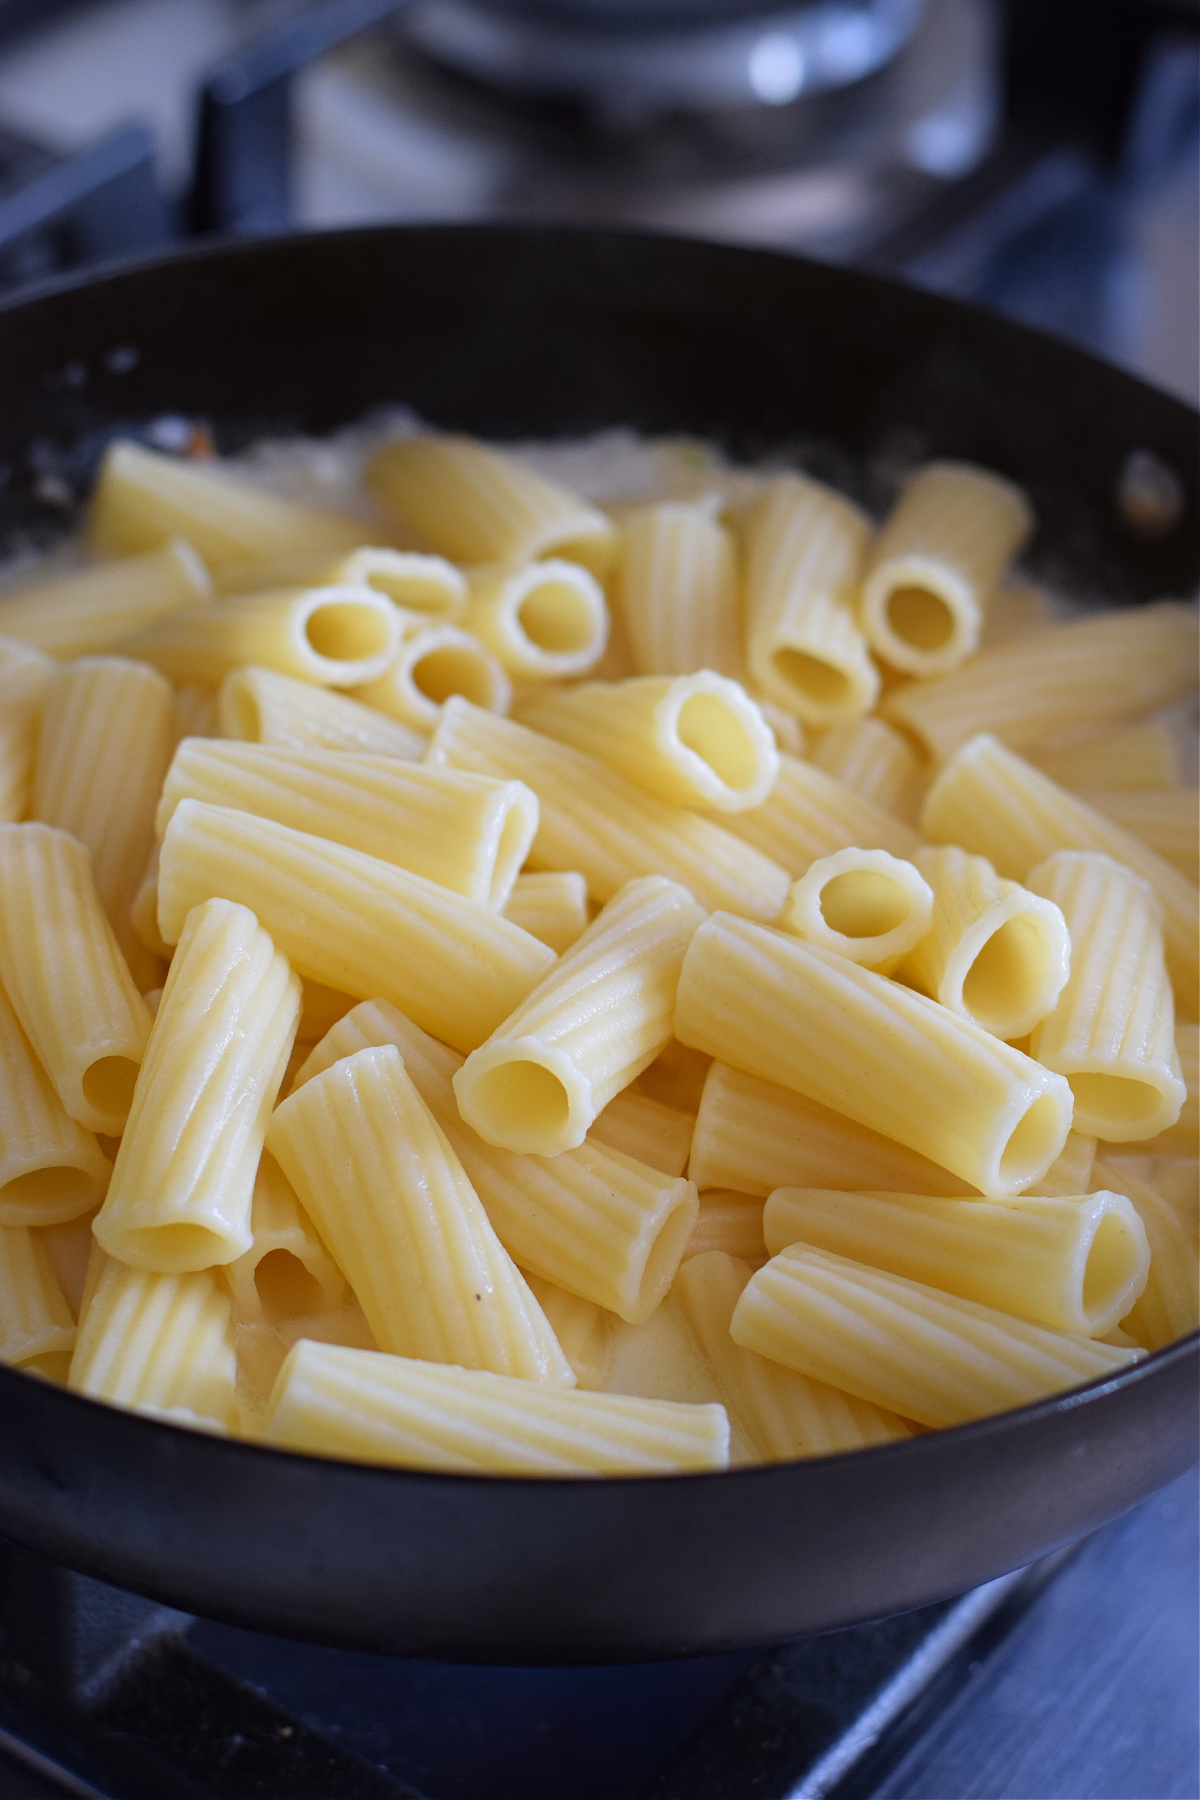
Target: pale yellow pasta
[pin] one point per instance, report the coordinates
(64, 973)
(787, 730)
(331, 636)
(692, 740)
(871, 757)
(182, 1186)
(351, 921)
(676, 1077)
(678, 587)
(754, 1136)
(810, 814)
(143, 913)
(1112, 1033)
(332, 1401)
(1017, 610)
(582, 1328)
(863, 1045)
(863, 904)
(990, 801)
(51, 1169)
(195, 712)
(419, 584)
(593, 820)
(24, 672)
(940, 555)
(729, 1222)
(1091, 671)
(1127, 758)
(287, 1271)
(1167, 822)
(375, 1173)
(1169, 1304)
(466, 832)
(476, 504)
(320, 1009)
(551, 906)
(905, 1346)
(593, 1023)
(1183, 1137)
(144, 500)
(87, 612)
(261, 706)
(646, 1130)
(36, 1327)
(1071, 1172)
(69, 1247)
(995, 952)
(433, 662)
(542, 622)
(1176, 1179)
(24, 675)
(804, 550)
(778, 1413)
(592, 1220)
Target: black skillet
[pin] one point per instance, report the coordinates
(521, 332)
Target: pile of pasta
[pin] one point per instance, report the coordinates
(498, 982)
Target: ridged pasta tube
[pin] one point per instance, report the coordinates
(778, 1413)
(1112, 1033)
(161, 1344)
(1089, 671)
(287, 1271)
(24, 675)
(1071, 1173)
(331, 636)
(676, 1077)
(591, 1220)
(417, 583)
(692, 740)
(582, 1328)
(1169, 1304)
(995, 952)
(677, 579)
(542, 622)
(477, 504)
(68, 982)
(1167, 822)
(352, 922)
(992, 802)
(810, 814)
(805, 546)
(1126, 758)
(86, 613)
(51, 1169)
(871, 757)
(195, 712)
(646, 1130)
(376, 1175)
(36, 1327)
(593, 820)
(588, 1029)
(904, 1345)
(260, 706)
(1074, 1264)
(24, 672)
(862, 904)
(332, 1401)
(863, 1045)
(941, 552)
(466, 832)
(729, 1222)
(183, 1183)
(754, 1136)
(551, 906)
(433, 662)
(1181, 1138)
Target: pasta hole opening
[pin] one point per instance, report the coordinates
(864, 904)
(510, 854)
(175, 1249)
(1035, 1143)
(244, 714)
(711, 730)
(108, 1084)
(663, 1261)
(53, 1188)
(920, 618)
(344, 631)
(1116, 1099)
(454, 669)
(812, 678)
(1008, 975)
(1112, 1263)
(557, 619)
(285, 1287)
(527, 1091)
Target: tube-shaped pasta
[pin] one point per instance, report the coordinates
(51, 1169)
(787, 730)
(352, 922)
(387, 1193)
(582, 1328)
(143, 500)
(542, 622)
(588, 1029)
(1074, 1264)
(158, 1343)
(754, 1136)
(994, 952)
(24, 676)
(1017, 610)
(1181, 1138)
(905, 1346)
(863, 1045)
(940, 554)
(331, 636)
(36, 1327)
(593, 820)
(67, 980)
(551, 906)
(1090, 671)
(477, 504)
(1169, 1304)
(992, 802)
(466, 832)
(143, 913)
(69, 1247)
(591, 1220)
(863, 904)
(676, 1077)
(433, 662)
(729, 1222)
(420, 584)
(1071, 1173)
(805, 546)
(873, 759)
(1167, 822)
(287, 1271)
(85, 613)
(646, 1130)
(677, 580)
(810, 814)
(693, 740)
(1128, 758)
(180, 1197)
(778, 1413)
(1112, 1033)
(261, 706)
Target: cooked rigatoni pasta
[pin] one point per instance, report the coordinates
(331, 636)
(804, 551)
(261, 706)
(465, 832)
(810, 814)
(375, 1172)
(905, 1346)
(1129, 758)
(1183, 1137)
(1071, 1173)
(871, 757)
(730, 1222)
(863, 904)
(542, 622)
(941, 553)
(195, 711)
(36, 1327)
(51, 1169)
(589, 1028)
(287, 1271)
(1169, 1304)
(351, 921)
(433, 662)
(158, 1343)
(69, 984)
(582, 1328)
(24, 674)
(182, 1186)
(1017, 609)
(646, 1130)
(863, 1045)
(1167, 822)
(418, 583)
(143, 912)
(69, 1247)
(676, 1077)
(550, 905)
(593, 820)
(87, 612)
(995, 952)
(693, 740)
(678, 587)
